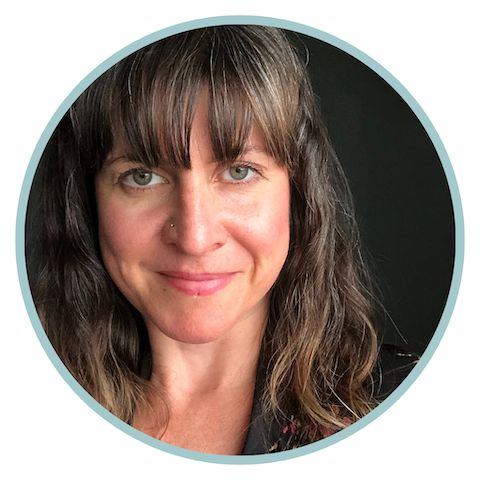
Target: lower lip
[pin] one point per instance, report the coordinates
(200, 285)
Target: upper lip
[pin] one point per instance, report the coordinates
(196, 277)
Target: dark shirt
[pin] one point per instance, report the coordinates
(392, 368)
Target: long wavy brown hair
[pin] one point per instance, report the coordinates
(320, 344)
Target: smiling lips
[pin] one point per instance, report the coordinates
(197, 284)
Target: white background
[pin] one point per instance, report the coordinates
(431, 47)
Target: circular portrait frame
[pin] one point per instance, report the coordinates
(458, 240)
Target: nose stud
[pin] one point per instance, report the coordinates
(172, 225)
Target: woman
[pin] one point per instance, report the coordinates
(199, 271)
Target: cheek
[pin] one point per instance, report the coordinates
(265, 230)
(123, 232)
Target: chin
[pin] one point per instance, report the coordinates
(196, 329)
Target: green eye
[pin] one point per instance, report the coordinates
(238, 173)
(139, 178)
(142, 178)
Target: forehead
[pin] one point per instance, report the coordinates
(200, 140)
(150, 99)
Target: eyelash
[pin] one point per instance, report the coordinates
(122, 177)
(247, 165)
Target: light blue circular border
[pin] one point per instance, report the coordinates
(325, 37)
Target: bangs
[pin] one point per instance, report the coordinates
(149, 99)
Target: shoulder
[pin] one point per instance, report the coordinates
(392, 368)
(267, 436)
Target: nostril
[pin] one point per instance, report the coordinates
(195, 234)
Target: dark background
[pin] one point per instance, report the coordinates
(402, 198)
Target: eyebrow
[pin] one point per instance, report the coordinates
(254, 148)
(112, 160)
(250, 148)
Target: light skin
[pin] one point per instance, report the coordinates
(202, 284)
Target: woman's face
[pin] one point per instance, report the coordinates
(195, 251)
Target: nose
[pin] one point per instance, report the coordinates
(195, 226)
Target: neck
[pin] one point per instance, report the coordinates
(183, 371)
(208, 388)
